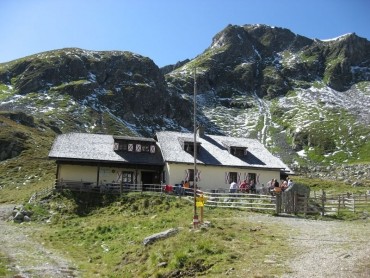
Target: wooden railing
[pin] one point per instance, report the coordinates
(107, 188)
(241, 200)
(331, 203)
(292, 203)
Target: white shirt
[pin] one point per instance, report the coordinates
(233, 185)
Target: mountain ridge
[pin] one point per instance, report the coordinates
(290, 92)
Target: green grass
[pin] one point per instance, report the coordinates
(318, 85)
(327, 185)
(204, 61)
(4, 270)
(106, 240)
(31, 170)
(5, 92)
(329, 135)
(364, 87)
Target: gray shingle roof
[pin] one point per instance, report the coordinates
(214, 151)
(98, 147)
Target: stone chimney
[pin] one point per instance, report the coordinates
(200, 131)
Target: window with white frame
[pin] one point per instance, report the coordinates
(127, 177)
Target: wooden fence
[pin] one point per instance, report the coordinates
(334, 203)
(324, 203)
(241, 200)
(291, 202)
(108, 188)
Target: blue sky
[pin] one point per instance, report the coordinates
(165, 31)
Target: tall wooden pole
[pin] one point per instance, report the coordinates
(195, 218)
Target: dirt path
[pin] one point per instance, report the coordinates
(325, 248)
(28, 257)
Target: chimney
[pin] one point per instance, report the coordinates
(200, 131)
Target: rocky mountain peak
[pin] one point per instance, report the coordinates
(124, 83)
(53, 68)
(271, 61)
(276, 39)
(232, 34)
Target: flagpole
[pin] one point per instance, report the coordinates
(195, 217)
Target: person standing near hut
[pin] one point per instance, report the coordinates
(233, 187)
(243, 186)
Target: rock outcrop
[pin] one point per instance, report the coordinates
(272, 61)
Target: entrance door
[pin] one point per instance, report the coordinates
(149, 179)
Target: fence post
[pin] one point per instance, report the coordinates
(344, 202)
(278, 202)
(305, 204)
(338, 205)
(323, 199)
(295, 202)
(353, 197)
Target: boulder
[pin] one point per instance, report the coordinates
(19, 217)
(161, 235)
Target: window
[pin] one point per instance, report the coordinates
(233, 176)
(139, 147)
(148, 148)
(127, 177)
(238, 151)
(252, 177)
(120, 146)
(190, 175)
(130, 147)
(145, 148)
(189, 147)
(152, 149)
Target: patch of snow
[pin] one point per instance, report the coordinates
(91, 77)
(363, 71)
(302, 153)
(337, 38)
(257, 53)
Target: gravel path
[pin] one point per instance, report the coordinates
(325, 248)
(29, 258)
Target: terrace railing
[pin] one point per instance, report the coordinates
(106, 188)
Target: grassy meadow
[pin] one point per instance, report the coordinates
(105, 239)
